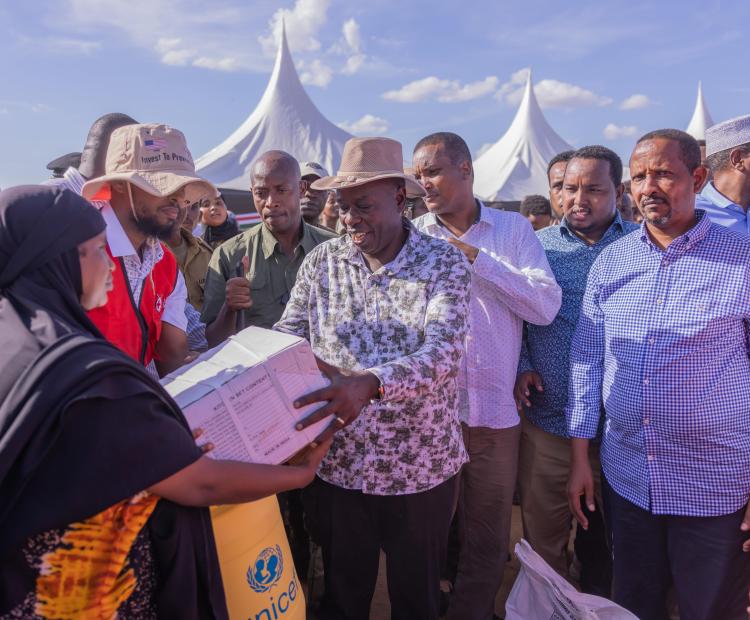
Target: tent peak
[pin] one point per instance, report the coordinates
(701, 119)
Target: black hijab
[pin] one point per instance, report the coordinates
(52, 358)
(216, 235)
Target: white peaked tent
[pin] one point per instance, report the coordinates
(516, 165)
(285, 119)
(701, 118)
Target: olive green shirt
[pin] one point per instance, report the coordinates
(272, 274)
(193, 256)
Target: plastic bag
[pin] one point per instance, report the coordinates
(539, 593)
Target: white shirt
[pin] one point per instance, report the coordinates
(511, 283)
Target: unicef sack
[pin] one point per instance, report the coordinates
(539, 593)
(260, 581)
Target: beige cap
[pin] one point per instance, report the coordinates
(154, 158)
(365, 160)
(308, 168)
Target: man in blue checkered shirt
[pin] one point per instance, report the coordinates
(662, 345)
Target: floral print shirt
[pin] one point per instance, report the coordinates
(405, 323)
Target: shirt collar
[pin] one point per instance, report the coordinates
(270, 243)
(686, 241)
(714, 196)
(432, 223)
(118, 241)
(616, 224)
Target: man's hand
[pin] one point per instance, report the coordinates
(745, 527)
(469, 251)
(581, 483)
(237, 291)
(349, 392)
(522, 390)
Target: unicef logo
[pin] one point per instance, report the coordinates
(266, 571)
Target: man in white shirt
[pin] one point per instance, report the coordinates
(511, 283)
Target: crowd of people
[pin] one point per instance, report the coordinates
(590, 355)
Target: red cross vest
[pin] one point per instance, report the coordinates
(134, 326)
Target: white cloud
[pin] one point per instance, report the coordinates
(367, 125)
(550, 93)
(353, 47)
(636, 102)
(615, 132)
(224, 63)
(445, 91)
(315, 73)
(179, 32)
(302, 24)
(352, 35)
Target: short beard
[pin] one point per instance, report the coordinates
(660, 221)
(151, 228)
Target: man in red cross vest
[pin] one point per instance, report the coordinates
(149, 180)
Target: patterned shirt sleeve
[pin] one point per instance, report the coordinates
(528, 287)
(444, 331)
(296, 317)
(587, 364)
(524, 360)
(196, 329)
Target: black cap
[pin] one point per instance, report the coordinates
(62, 163)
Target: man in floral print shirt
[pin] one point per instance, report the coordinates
(385, 310)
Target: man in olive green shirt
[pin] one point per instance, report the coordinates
(251, 275)
(193, 256)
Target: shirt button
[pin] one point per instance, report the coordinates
(659, 300)
(650, 457)
(645, 381)
(651, 340)
(645, 421)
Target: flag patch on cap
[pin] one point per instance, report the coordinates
(155, 144)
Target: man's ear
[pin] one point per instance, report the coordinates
(737, 159)
(700, 174)
(401, 198)
(620, 191)
(466, 168)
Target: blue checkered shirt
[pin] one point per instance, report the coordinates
(545, 347)
(662, 342)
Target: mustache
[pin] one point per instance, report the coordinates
(648, 201)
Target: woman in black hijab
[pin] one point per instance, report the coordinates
(220, 223)
(98, 468)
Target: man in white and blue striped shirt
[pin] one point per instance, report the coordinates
(662, 345)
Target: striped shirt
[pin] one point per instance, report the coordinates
(662, 342)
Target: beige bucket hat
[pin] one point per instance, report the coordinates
(365, 160)
(154, 158)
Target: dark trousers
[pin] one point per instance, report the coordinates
(292, 513)
(412, 530)
(701, 556)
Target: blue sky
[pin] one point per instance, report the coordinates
(403, 69)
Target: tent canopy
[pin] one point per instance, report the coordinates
(516, 165)
(285, 119)
(701, 118)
